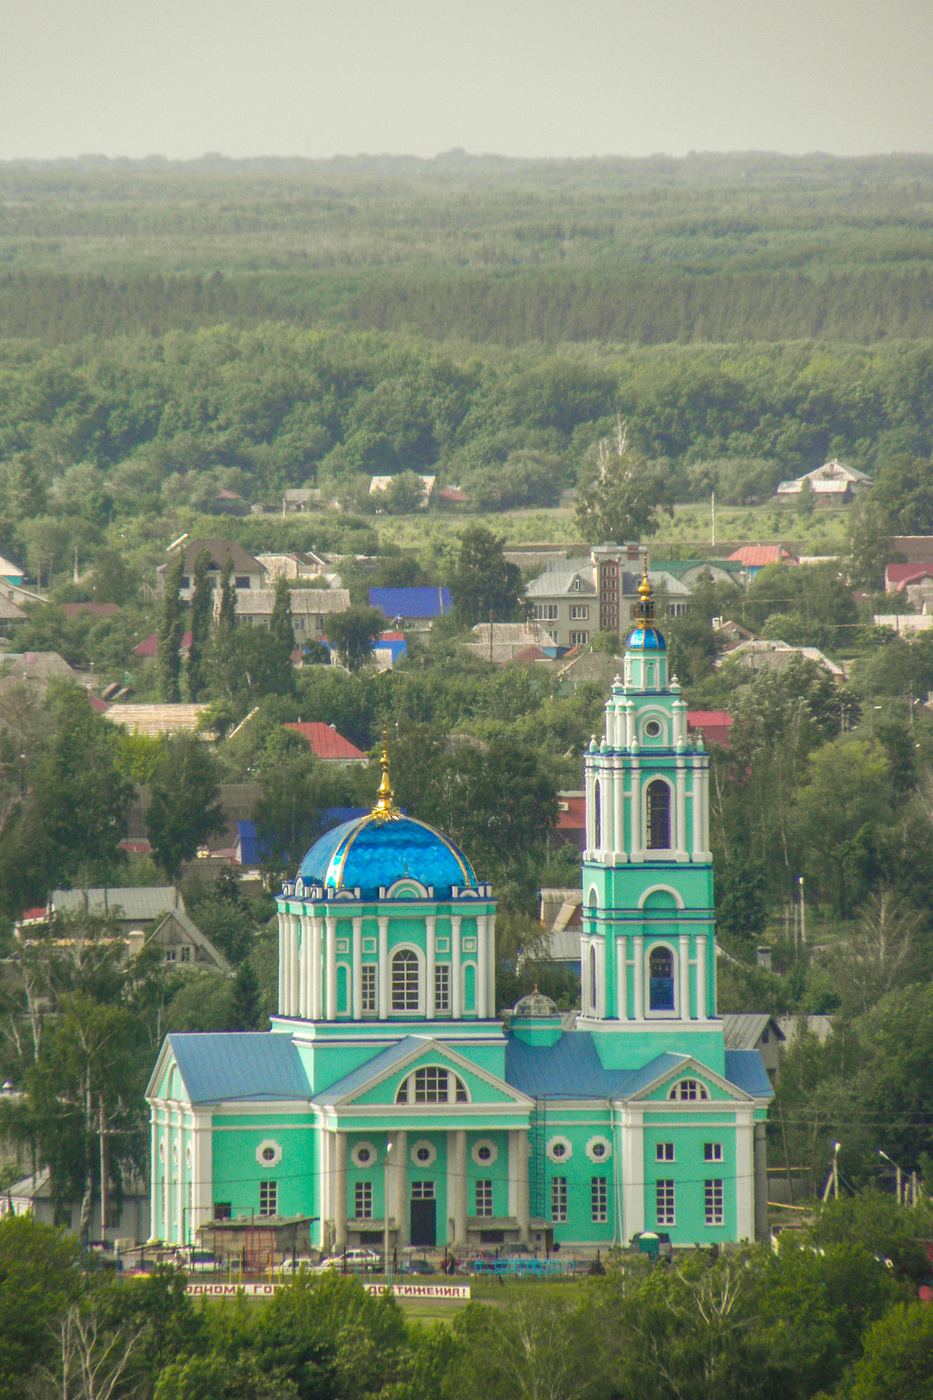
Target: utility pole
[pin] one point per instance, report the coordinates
(803, 914)
(104, 1171)
(712, 518)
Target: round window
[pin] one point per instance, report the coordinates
(558, 1150)
(362, 1154)
(652, 729)
(268, 1154)
(483, 1153)
(599, 1149)
(423, 1154)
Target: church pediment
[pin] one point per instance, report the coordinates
(421, 1072)
(682, 1081)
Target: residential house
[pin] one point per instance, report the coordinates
(573, 599)
(36, 668)
(414, 608)
(762, 654)
(689, 572)
(327, 745)
(154, 720)
(248, 573)
(127, 1219)
(131, 907)
(11, 617)
(914, 580)
(833, 482)
(731, 634)
(500, 642)
(294, 567)
(759, 1031)
(227, 503)
(184, 947)
(10, 572)
(298, 499)
(148, 649)
(713, 725)
(755, 557)
(92, 609)
(310, 608)
(379, 484)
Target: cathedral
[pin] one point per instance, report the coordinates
(392, 1100)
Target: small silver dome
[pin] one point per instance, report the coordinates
(535, 1004)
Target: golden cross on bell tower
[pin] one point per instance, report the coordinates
(385, 798)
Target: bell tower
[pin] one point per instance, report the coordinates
(648, 967)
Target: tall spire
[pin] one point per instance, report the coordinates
(385, 798)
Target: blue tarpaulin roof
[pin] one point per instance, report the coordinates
(256, 1065)
(411, 602)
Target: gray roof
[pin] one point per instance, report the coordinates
(559, 581)
(199, 939)
(572, 1069)
(143, 902)
(257, 602)
(745, 1069)
(743, 1030)
(246, 1065)
(379, 1064)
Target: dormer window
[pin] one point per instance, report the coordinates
(688, 1091)
(432, 1084)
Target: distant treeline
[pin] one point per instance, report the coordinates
(703, 250)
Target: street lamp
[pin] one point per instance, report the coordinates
(899, 1176)
(803, 914)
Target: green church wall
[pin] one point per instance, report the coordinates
(237, 1173)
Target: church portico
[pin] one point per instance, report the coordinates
(389, 1103)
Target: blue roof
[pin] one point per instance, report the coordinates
(646, 639)
(411, 602)
(569, 1069)
(228, 1065)
(361, 1076)
(745, 1069)
(372, 853)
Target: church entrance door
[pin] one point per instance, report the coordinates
(423, 1231)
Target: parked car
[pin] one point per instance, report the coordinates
(301, 1261)
(355, 1260)
(195, 1261)
(416, 1266)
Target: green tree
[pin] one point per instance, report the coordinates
(898, 1358)
(112, 580)
(170, 631)
(621, 497)
(846, 795)
(226, 616)
(353, 634)
(202, 606)
(183, 809)
(246, 1012)
(38, 1280)
(290, 812)
(280, 624)
(245, 664)
(403, 495)
(904, 490)
(870, 543)
(805, 504)
(484, 585)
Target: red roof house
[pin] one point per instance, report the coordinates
(898, 576)
(327, 744)
(146, 650)
(714, 725)
(755, 557)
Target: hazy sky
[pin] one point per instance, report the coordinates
(517, 77)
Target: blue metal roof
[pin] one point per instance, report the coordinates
(372, 853)
(745, 1069)
(646, 639)
(229, 1065)
(649, 1074)
(379, 1064)
(571, 1069)
(411, 602)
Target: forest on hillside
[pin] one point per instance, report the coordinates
(480, 250)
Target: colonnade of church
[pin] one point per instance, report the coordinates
(309, 960)
(616, 821)
(629, 987)
(335, 1204)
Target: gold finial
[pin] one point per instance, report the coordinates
(385, 804)
(645, 613)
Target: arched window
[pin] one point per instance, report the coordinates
(405, 981)
(432, 1085)
(661, 980)
(688, 1091)
(658, 816)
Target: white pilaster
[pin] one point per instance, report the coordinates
(622, 978)
(589, 783)
(384, 1003)
(636, 824)
(680, 837)
(633, 1172)
(430, 959)
(518, 1181)
(203, 1170)
(330, 1008)
(482, 975)
(281, 999)
(744, 1174)
(460, 1185)
(639, 980)
(491, 964)
(400, 1153)
(340, 1190)
(618, 820)
(684, 965)
(702, 1008)
(358, 967)
(456, 970)
(317, 999)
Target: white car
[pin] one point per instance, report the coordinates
(355, 1260)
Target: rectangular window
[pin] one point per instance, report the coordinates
(579, 612)
(664, 1201)
(712, 1152)
(545, 612)
(113, 1217)
(186, 954)
(442, 987)
(712, 1194)
(363, 1200)
(484, 1198)
(599, 1199)
(405, 981)
(664, 1152)
(558, 1199)
(241, 581)
(368, 987)
(268, 1197)
(431, 1085)
(422, 1190)
(223, 1210)
(170, 955)
(579, 639)
(184, 581)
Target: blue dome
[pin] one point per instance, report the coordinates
(372, 853)
(646, 639)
